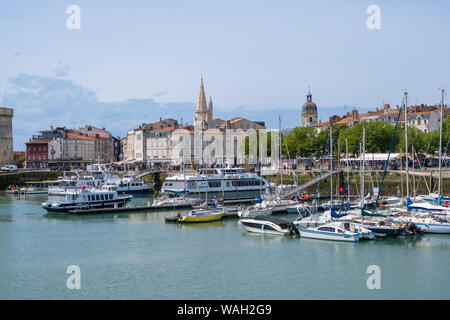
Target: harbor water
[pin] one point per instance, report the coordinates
(139, 256)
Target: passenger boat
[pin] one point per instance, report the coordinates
(200, 215)
(338, 231)
(129, 183)
(72, 184)
(269, 225)
(85, 199)
(36, 187)
(217, 183)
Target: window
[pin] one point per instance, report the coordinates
(266, 227)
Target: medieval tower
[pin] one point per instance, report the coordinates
(309, 111)
(6, 136)
(203, 118)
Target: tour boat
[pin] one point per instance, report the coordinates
(219, 183)
(129, 183)
(269, 225)
(85, 199)
(338, 231)
(200, 215)
(72, 184)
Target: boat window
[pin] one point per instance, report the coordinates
(328, 229)
(97, 197)
(266, 227)
(111, 196)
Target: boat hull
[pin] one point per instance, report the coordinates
(200, 219)
(313, 234)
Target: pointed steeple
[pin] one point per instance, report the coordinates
(201, 104)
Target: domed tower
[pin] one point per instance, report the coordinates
(309, 111)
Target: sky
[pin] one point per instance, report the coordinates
(136, 61)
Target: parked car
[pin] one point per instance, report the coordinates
(9, 168)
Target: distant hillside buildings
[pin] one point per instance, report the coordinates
(60, 147)
(423, 117)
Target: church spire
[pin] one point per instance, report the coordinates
(201, 104)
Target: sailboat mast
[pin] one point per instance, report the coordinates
(281, 158)
(406, 145)
(440, 146)
(331, 162)
(362, 166)
(348, 170)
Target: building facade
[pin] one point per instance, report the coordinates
(6, 136)
(74, 148)
(37, 154)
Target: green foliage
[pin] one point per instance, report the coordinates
(307, 142)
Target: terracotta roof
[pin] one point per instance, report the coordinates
(236, 120)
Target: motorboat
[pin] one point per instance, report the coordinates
(269, 225)
(328, 216)
(382, 227)
(176, 201)
(253, 211)
(200, 215)
(426, 224)
(300, 208)
(338, 231)
(86, 199)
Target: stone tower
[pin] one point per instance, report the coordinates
(203, 115)
(309, 111)
(6, 136)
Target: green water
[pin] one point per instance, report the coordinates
(139, 256)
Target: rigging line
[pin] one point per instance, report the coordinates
(320, 179)
(387, 159)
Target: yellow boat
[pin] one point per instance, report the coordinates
(200, 215)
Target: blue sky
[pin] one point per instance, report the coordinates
(136, 61)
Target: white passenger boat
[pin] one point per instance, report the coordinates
(217, 183)
(129, 183)
(338, 231)
(88, 199)
(269, 225)
(65, 184)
